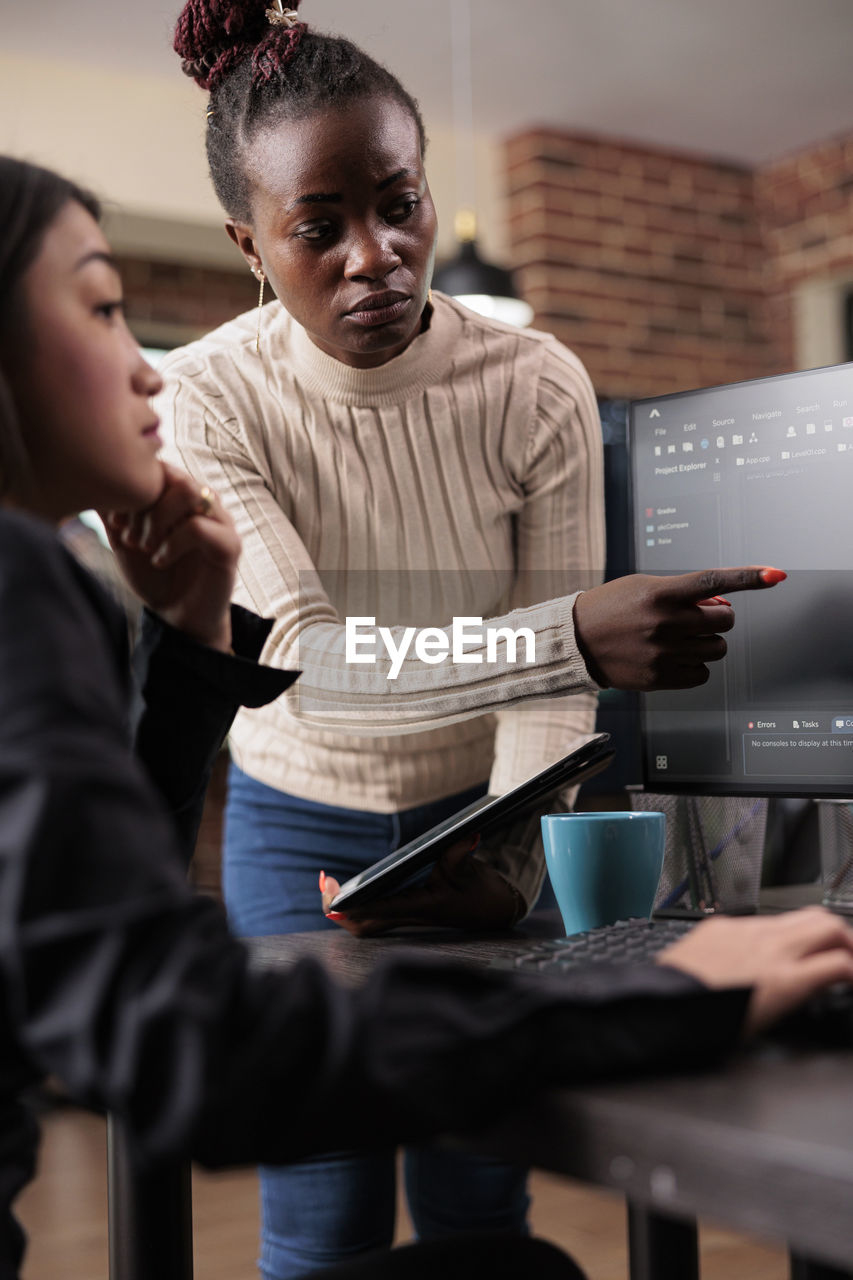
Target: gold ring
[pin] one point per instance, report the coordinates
(204, 506)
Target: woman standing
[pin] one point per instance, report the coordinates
(388, 455)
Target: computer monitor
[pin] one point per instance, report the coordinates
(756, 472)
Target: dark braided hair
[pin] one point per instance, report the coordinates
(260, 74)
(31, 198)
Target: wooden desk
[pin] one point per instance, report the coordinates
(765, 1146)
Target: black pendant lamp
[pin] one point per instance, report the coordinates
(478, 284)
(482, 286)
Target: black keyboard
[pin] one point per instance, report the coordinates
(626, 942)
(824, 1021)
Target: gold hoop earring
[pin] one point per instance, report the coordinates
(429, 296)
(263, 281)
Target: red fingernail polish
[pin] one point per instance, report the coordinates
(322, 881)
(772, 576)
(336, 915)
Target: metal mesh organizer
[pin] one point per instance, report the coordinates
(714, 847)
(835, 818)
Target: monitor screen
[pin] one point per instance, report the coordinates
(759, 473)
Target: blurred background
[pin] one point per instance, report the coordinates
(671, 180)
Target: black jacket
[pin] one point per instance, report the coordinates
(119, 980)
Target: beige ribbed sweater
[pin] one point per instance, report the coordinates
(462, 478)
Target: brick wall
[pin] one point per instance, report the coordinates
(667, 270)
(183, 301)
(648, 263)
(805, 204)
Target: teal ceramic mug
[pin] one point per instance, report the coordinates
(603, 866)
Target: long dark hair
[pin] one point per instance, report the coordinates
(30, 200)
(260, 74)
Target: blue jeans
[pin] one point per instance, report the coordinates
(331, 1208)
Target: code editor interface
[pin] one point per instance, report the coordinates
(756, 473)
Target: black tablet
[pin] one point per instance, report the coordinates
(413, 859)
